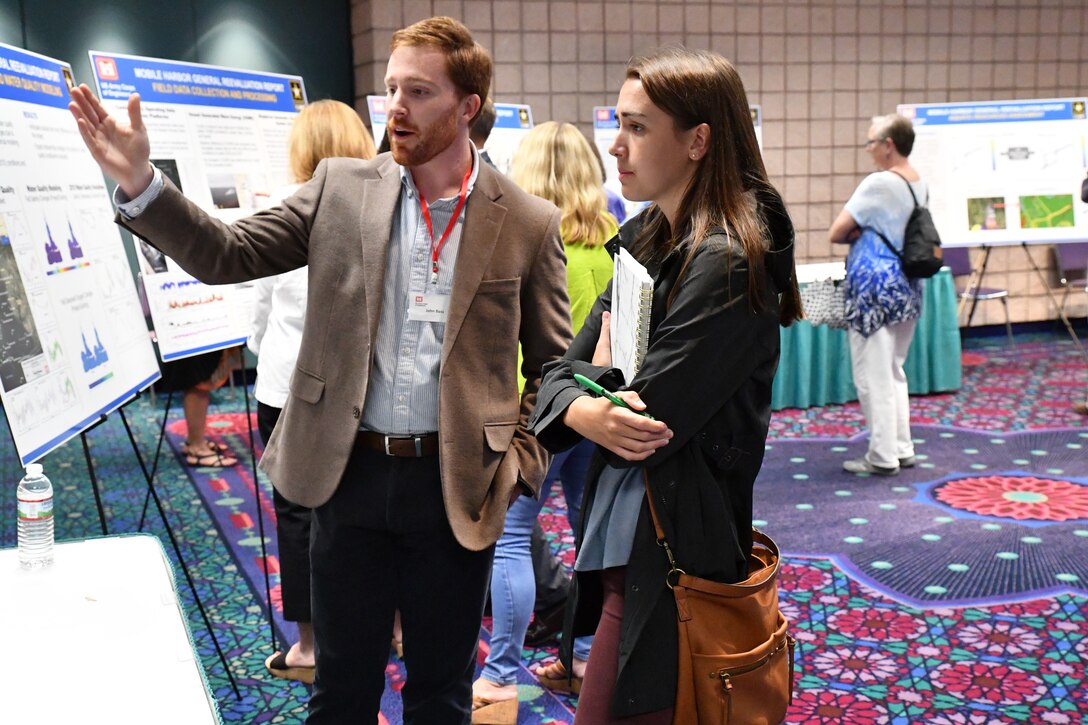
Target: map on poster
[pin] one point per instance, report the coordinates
(220, 135)
(1003, 172)
(512, 122)
(73, 341)
(604, 133)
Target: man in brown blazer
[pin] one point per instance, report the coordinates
(403, 429)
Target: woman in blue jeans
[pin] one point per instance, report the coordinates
(556, 162)
(512, 582)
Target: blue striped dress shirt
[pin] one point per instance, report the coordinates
(402, 397)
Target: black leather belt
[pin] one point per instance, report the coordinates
(416, 446)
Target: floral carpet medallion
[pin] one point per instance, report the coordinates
(866, 659)
(956, 592)
(1031, 500)
(982, 518)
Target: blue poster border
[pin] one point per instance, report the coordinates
(159, 80)
(33, 78)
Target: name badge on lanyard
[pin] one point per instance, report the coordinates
(428, 307)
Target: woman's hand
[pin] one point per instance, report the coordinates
(602, 354)
(629, 435)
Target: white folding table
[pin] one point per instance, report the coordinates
(99, 637)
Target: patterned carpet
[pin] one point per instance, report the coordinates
(954, 593)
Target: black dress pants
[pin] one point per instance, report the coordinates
(382, 543)
(292, 537)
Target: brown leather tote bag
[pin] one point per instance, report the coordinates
(735, 656)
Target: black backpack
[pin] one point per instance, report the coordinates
(921, 256)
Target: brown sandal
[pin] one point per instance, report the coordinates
(494, 712)
(555, 677)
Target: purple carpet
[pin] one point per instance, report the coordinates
(956, 592)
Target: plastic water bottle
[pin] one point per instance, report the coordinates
(35, 519)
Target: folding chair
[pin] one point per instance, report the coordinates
(958, 259)
(1071, 262)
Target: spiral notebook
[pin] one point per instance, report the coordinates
(632, 297)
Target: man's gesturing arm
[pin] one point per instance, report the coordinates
(121, 149)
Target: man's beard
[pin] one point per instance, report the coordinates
(430, 141)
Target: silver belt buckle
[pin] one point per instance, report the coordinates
(418, 440)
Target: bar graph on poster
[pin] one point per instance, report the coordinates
(1003, 172)
(73, 342)
(219, 135)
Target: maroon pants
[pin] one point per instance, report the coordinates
(599, 686)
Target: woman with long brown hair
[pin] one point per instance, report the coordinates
(719, 245)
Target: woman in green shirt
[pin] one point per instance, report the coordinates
(553, 161)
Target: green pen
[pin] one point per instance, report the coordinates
(615, 399)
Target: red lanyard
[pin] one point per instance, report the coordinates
(436, 247)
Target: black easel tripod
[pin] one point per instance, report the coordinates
(976, 280)
(256, 493)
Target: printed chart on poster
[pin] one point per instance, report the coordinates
(220, 135)
(73, 342)
(1003, 172)
(512, 122)
(605, 127)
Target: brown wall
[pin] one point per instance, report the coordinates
(820, 70)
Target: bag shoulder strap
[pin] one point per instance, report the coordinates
(653, 512)
(674, 571)
(673, 577)
(911, 189)
(886, 241)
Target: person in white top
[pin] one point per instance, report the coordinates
(882, 304)
(323, 129)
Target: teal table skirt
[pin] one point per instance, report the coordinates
(814, 368)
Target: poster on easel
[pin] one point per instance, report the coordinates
(375, 106)
(220, 135)
(512, 122)
(605, 127)
(73, 343)
(1003, 172)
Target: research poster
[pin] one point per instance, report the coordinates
(1003, 172)
(375, 106)
(73, 342)
(605, 127)
(220, 135)
(512, 122)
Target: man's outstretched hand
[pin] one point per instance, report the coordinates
(121, 149)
